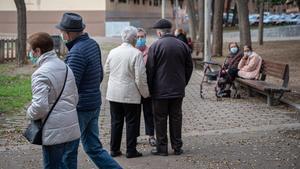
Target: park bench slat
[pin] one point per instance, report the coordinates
(263, 85)
(274, 69)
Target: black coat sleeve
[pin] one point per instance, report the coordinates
(188, 67)
(150, 68)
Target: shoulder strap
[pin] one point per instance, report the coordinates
(57, 98)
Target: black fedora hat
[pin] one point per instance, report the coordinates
(71, 22)
(162, 24)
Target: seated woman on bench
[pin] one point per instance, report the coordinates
(229, 70)
(250, 64)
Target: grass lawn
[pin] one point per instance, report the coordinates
(15, 90)
(4, 68)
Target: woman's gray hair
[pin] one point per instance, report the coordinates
(129, 34)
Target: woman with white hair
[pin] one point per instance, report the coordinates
(127, 83)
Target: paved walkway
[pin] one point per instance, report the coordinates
(231, 133)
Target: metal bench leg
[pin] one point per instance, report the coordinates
(270, 97)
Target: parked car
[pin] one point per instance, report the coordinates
(254, 19)
(230, 17)
(268, 20)
(283, 19)
(294, 19)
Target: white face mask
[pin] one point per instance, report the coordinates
(250, 54)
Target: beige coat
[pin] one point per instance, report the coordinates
(250, 68)
(127, 75)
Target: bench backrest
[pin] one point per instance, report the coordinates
(278, 70)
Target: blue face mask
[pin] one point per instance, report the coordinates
(32, 58)
(234, 50)
(140, 42)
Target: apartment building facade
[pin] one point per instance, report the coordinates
(102, 17)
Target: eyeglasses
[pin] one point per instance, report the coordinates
(247, 50)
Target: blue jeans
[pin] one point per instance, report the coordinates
(55, 156)
(89, 128)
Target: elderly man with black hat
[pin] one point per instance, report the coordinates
(84, 58)
(169, 68)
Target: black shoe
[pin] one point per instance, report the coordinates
(134, 155)
(155, 152)
(178, 151)
(115, 153)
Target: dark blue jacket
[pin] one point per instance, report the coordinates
(84, 58)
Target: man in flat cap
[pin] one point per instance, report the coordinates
(169, 68)
(84, 58)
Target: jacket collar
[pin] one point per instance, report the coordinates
(252, 55)
(126, 44)
(143, 49)
(167, 35)
(45, 57)
(82, 37)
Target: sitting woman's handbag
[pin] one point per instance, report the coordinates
(34, 131)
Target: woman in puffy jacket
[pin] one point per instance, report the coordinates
(61, 127)
(250, 64)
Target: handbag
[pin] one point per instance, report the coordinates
(34, 130)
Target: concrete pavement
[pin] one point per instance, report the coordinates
(231, 133)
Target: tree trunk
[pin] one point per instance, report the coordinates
(212, 11)
(261, 23)
(192, 18)
(298, 4)
(201, 24)
(244, 26)
(217, 44)
(234, 21)
(207, 31)
(22, 32)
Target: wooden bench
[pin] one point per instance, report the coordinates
(271, 90)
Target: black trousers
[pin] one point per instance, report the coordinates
(162, 109)
(148, 116)
(119, 112)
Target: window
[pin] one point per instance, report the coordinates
(136, 1)
(123, 1)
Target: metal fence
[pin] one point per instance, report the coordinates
(8, 47)
(8, 50)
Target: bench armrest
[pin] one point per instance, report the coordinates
(211, 63)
